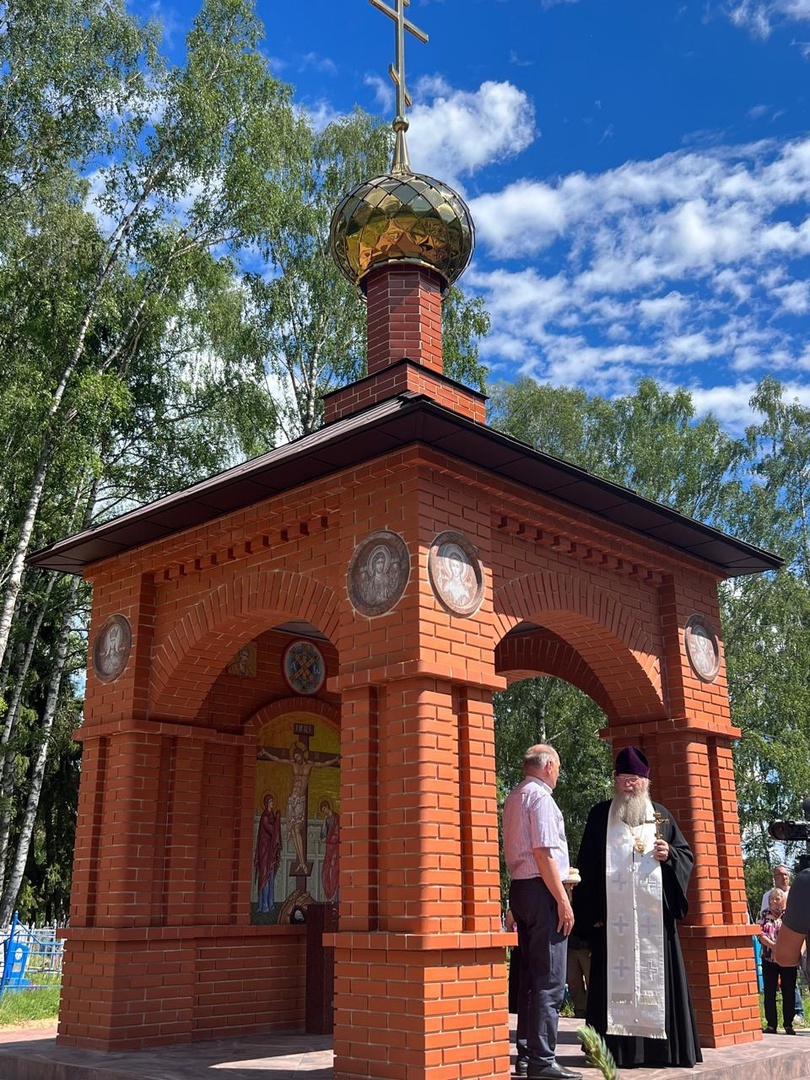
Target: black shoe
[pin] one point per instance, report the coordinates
(552, 1072)
(769, 1031)
(521, 1067)
(789, 1031)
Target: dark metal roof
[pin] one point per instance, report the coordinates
(390, 426)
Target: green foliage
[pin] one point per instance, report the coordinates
(649, 441)
(548, 710)
(465, 322)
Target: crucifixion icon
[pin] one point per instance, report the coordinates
(397, 73)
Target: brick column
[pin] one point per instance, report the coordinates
(420, 977)
(162, 862)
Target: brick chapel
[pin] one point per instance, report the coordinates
(289, 702)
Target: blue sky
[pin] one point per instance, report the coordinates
(638, 171)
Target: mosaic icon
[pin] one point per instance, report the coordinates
(112, 647)
(455, 572)
(378, 573)
(304, 667)
(702, 648)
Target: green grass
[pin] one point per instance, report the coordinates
(18, 1006)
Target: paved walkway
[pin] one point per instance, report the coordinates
(32, 1054)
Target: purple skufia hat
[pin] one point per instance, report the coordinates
(630, 761)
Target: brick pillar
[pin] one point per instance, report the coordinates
(404, 317)
(420, 977)
(162, 857)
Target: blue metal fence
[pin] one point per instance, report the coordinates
(32, 959)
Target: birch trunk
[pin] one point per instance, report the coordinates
(11, 721)
(17, 868)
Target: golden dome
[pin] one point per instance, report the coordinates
(402, 217)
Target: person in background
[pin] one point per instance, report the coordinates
(781, 880)
(775, 975)
(578, 971)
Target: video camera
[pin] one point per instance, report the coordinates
(788, 831)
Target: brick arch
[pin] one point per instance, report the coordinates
(541, 652)
(591, 639)
(298, 704)
(189, 659)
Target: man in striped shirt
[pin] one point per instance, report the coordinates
(536, 852)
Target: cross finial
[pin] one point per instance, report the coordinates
(400, 163)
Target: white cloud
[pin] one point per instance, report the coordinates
(383, 93)
(523, 218)
(679, 268)
(730, 404)
(312, 61)
(752, 16)
(794, 9)
(759, 16)
(795, 297)
(663, 309)
(467, 130)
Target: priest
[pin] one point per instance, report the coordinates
(635, 866)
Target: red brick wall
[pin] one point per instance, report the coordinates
(175, 986)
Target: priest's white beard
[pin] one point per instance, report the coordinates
(634, 808)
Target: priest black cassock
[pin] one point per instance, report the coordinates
(635, 866)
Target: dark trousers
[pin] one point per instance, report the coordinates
(519, 1001)
(773, 976)
(543, 951)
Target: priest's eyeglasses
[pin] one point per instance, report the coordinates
(627, 778)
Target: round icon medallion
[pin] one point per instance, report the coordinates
(702, 648)
(112, 647)
(304, 667)
(455, 572)
(378, 573)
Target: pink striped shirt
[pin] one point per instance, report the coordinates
(531, 819)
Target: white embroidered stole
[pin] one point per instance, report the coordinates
(635, 931)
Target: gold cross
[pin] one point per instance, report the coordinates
(659, 821)
(397, 72)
